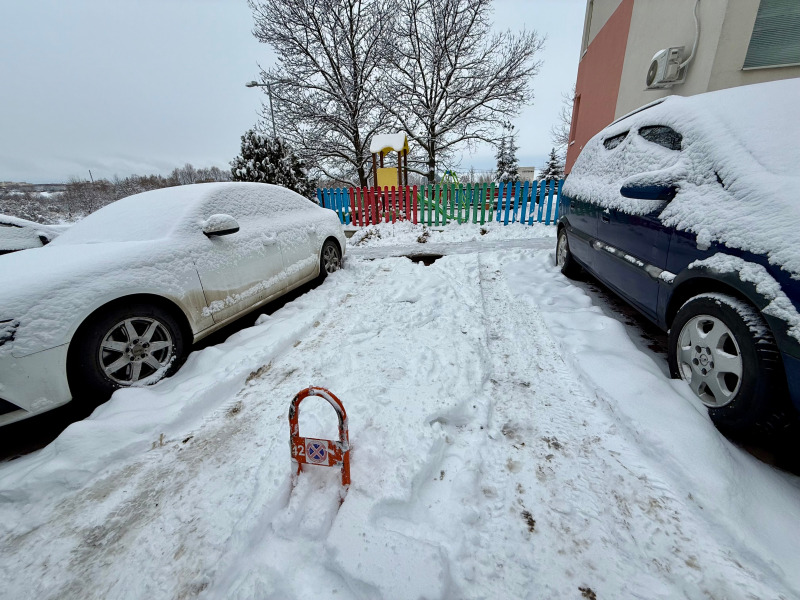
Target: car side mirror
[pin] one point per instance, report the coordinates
(657, 191)
(220, 225)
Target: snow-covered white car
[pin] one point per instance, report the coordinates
(118, 299)
(21, 234)
(689, 209)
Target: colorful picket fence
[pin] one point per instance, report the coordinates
(525, 202)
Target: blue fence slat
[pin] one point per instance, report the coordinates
(542, 192)
(337, 203)
(558, 201)
(532, 209)
(332, 200)
(523, 212)
(507, 201)
(517, 191)
(329, 198)
(551, 187)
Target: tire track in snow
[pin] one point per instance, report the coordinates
(628, 526)
(554, 456)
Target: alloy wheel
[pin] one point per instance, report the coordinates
(710, 360)
(136, 350)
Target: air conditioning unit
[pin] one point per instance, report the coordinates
(665, 68)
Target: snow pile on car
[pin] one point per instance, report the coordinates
(736, 173)
(146, 243)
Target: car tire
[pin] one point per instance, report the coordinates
(564, 258)
(723, 349)
(330, 259)
(125, 346)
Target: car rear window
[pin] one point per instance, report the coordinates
(614, 140)
(662, 135)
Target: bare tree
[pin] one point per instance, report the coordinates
(82, 197)
(452, 82)
(185, 175)
(559, 133)
(323, 85)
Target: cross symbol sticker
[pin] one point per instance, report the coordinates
(316, 452)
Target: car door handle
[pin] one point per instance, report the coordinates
(605, 218)
(269, 240)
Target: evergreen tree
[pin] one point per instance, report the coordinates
(502, 159)
(269, 160)
(512, 160)
(507, 163)
(554, 169)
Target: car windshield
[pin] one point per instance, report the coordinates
(142, 217)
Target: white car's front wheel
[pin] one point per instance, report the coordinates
(123, 346)
(330, 258)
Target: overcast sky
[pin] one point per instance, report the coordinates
(143, 86)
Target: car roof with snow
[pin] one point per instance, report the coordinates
(159, 213)
(737, 170)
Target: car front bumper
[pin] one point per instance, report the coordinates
(35, 383)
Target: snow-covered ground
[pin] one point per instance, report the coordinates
(509, 440)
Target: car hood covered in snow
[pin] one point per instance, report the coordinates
(736, 173)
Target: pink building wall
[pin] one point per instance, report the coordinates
(599, 75)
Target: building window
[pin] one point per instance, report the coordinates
(776, 35)
(587, 26)
(573, 126)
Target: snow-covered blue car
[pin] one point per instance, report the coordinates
(689, 209)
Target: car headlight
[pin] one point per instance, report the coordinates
(8, 329)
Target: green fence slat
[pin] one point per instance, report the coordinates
(452, 198)
(436, 202)
(482, 200)
(458, 202)
(431, 192)
(491, 202)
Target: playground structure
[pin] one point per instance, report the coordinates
(380, 146)
(450, 177)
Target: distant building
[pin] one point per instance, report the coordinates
(740, 42)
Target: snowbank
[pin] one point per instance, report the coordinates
(406, 233)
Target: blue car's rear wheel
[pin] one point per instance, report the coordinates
(722, 348)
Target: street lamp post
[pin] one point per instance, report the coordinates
(252, 84)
